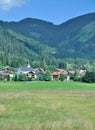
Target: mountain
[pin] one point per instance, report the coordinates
(16, 48)
(77, 37)
(34, 39)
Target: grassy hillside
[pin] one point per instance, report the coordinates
(47, 109)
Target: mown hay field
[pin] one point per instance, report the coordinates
(47, 106)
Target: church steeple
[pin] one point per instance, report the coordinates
(28, 64)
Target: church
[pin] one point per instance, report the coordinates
(28, 71)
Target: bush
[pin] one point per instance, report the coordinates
(89, 77)
(29, 78)
(15, 78)
(8, 78)
(56, 79)
(47, 76)
(22, 77)
(76, 77)
(41, 78)
(0, 77)
(62, 77)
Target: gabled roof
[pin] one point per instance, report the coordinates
(5, 71)
(71, 72)
(56, 73)
(26, 69)
(82, 72)
(59, 71)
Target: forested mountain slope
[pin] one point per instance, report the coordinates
(34, 39)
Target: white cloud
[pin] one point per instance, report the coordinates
(8, 4)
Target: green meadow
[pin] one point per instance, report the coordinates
(47, 106)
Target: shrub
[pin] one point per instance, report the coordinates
(76, 77)
(41, 78)
(89, 77)
(8, 78)
(62, 77)
(15, 77)
(22, 77)
(47, 76)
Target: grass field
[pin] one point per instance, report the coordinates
(47, 106)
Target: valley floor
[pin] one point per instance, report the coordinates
(47, 106)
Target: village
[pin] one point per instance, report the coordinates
(28, 73)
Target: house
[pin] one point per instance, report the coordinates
(56, 74)
(82, 72)
(6, 73)
(65, 72)
(71, 73)
(28, 71)
(31, 75)
(39, 72)
(78, 71)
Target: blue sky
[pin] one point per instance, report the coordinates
(56, 11)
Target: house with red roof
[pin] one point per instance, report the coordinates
(56, 74)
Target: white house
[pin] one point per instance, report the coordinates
(28, 71)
